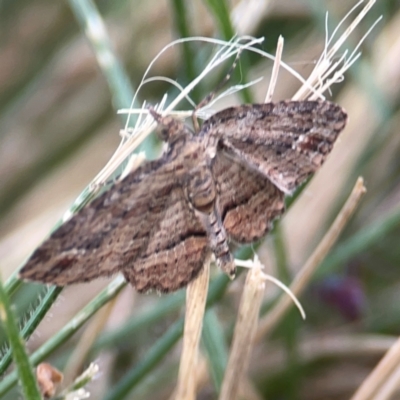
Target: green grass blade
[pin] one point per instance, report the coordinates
(182, 26)
(153, 357)
(12, 284)
(24, 368)
(68, 330)
(121, 89)
(35, 318)
(141, 321)
(92, 24)
(221, 13)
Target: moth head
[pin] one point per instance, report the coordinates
(169, 128)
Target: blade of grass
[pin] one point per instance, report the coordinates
(24, 368)
(122, 92)
(35, 318)
(153, 357)
(141, 321)
(68, 330)
(182, 24)
(92, 24)
(221, 13)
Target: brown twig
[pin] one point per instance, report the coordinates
(380, 374)
(196, 296)
(245, 329)
(305, 274)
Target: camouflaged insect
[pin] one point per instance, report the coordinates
(225, 183)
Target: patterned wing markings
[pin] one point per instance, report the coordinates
(248, 202)
(175, 252)
(115, 227)
(285, 141)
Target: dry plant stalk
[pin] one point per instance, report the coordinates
(275, 70)
(389, 387)
(245, 329)
(305, 274)
(196, 296)
(248, 391)
(380, 374)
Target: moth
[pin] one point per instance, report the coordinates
(224, 184)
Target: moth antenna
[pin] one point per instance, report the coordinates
(156, 115)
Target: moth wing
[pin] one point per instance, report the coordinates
(111, 232)
(175, 251)
(247, 202)
(286, 141)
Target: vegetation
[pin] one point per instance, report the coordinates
(68, 67)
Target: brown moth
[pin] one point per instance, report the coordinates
(225, 183)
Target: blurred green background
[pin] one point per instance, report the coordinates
(58, 127)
